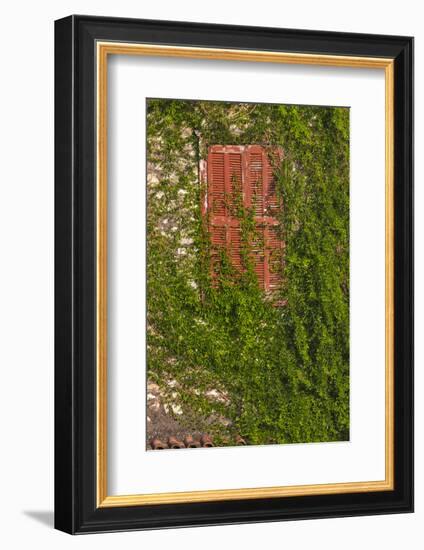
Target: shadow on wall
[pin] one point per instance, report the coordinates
(46, 517)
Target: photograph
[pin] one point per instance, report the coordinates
(247, 259)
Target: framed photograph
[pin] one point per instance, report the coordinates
(234, 274)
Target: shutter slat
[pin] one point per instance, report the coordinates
(235, 247)
(255, 182)
(235, 177)
(219, 244)
(271, 198)
(217, 183)
(258, 254)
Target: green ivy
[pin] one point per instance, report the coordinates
(283, 371)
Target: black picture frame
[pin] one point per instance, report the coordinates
(76, 508)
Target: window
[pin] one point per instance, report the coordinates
(242, 176)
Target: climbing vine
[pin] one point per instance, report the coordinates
(281, 374)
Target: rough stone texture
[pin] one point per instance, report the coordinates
(161, 423)
(162, 417)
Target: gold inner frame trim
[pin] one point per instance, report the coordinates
(103, 50)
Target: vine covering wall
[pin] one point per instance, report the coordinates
(275, 374)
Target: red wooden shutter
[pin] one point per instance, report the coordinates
(237, 172)
(216, 179)
(215, 201)
(255, 179)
